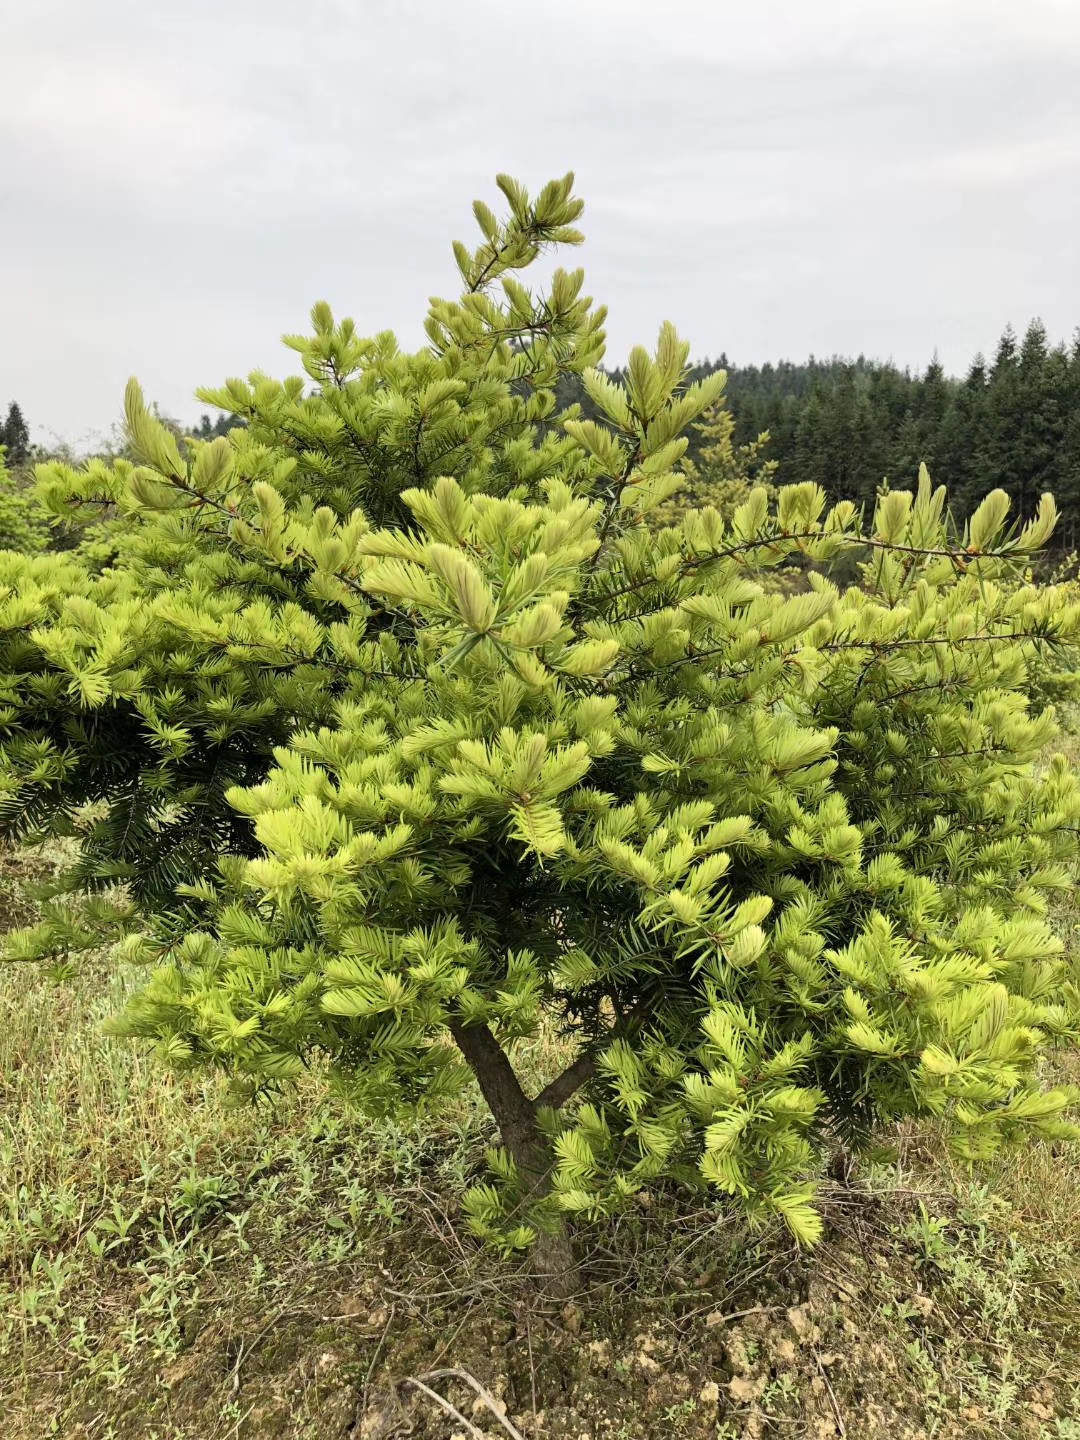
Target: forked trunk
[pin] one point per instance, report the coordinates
(515, 1114)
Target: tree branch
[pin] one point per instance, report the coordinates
(555, 1095)
(513, 1111)
(566, 1085)
(961, 558)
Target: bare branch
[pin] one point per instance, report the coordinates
(484, 1394)
(555, 1095)
(444, 1404)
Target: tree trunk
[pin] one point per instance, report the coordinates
(555, 1264)
(515, 1115)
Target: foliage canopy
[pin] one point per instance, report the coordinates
(407, 733)
(23, 522)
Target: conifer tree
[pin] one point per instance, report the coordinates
(722, 474)
(410, 735)
(15, 436)
(962, 440)
(1043, 377)
(1069, 463)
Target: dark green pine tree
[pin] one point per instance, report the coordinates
(933, 396)
(1005, 408)
(1042, 427)
(961, 451)
(15, 436)
(810, 461)
(208, 429)
(906, 448)
(869, 455)
(841, 437)
(1069, 481)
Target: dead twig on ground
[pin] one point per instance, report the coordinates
(485, 1395)
(832, 1395)
(444, 1404)
(374, 1361)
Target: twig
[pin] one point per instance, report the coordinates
(532, 1367)
(734, 1314)
(447, 1344)
(444, 1232)
(445, 1405)
(485, 1395)
(752, 1310)
(832, 1394)
(429, 1297)
(246, 1350)
(374, 1361)
(236, 1427)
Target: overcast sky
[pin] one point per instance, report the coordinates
(180, 179)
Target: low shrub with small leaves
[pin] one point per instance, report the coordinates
(401, 732)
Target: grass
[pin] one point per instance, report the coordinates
(174, 1268)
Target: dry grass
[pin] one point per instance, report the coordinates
(173, 1268)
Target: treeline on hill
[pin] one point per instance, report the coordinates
(847, 425)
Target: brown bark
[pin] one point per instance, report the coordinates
(555, 1265)
(568, 1083)
(515, 1115)
(512, 1109)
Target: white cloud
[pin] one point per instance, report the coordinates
(1005, 164)
(181, 180)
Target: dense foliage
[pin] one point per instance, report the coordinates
(409, 732)
(23, 520)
